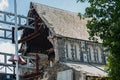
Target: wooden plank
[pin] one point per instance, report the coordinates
(29, 37)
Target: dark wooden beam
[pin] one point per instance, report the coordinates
(29, 37)
(32, 35)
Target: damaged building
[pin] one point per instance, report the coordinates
(60, 38)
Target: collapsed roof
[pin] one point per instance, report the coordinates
(62, 22)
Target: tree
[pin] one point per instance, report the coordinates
(105, 23)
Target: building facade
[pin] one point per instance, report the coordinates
(63, 36)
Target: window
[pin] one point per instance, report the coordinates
(89, 54)
(66, 51)
(96, 55)
(99, 51)
(74, 51)
(77, 51)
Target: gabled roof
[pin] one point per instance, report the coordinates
(64, 23)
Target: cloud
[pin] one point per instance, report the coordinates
(3, 4)
(7, 47)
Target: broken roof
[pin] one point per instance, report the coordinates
(64, 23)
(90, 70)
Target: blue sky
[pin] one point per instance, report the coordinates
(23, 7)
(70, 5)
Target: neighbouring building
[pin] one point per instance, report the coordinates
(63, 36)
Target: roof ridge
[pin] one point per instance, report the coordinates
(55, 8)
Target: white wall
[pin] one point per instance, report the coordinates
(65, 75)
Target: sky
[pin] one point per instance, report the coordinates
(23, 7)
(70, 5)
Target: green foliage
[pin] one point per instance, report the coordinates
(105, 23)
(114, 67)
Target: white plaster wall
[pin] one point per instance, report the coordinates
(69, 50)
(65, 75)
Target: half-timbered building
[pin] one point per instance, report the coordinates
(64, 37)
